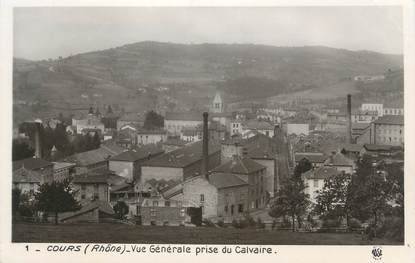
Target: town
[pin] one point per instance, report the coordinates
(303, 167)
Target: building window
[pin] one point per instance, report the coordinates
(315, 183)
(152, 212)
(240, 208)
(167, 203)
(226, 209)
(202, 198)
(182, 211)
(232, 207)
(155, 203)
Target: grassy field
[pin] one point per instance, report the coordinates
(119, 233)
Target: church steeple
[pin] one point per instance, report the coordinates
(217, 103)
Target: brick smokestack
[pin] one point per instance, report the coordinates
(349, 119)
(38, 143)
(205, 146)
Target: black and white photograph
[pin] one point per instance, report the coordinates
(245, 125)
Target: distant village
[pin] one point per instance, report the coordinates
(217, 165)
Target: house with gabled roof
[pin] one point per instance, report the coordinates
(96, 211)
(43, 167)
(95, 185)
(222, 196)
(316, 159)
(28, 181)
(179, 164)
(251, 172)
(314, 180)
(92, 160)
(174, 122)
(341, 162)
(128, 163)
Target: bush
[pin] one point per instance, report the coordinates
(259, 223)
(26, 211)
(354, 223)
(274, 224)
(236, 224)
(286, 223)
(248, 221)
(392, 228)
(328, 223)
(208, 223)
(220, 223)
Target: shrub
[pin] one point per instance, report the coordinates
(328, 223)
(26, 210)
(236, 224)
(392, 228)
(274, 224)
(249, 221)
(208, 223)
(220, 223)
(286, 223)
(354, 223)
(259, 223)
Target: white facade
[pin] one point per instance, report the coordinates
(312, 187)
(235, 127)
(373, 107)
(393, 111)
(175, 126)
(90, 122)
(151, 138)
(298, 128)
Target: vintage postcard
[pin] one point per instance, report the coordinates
(208, 132)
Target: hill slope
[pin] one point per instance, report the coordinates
(124, 74)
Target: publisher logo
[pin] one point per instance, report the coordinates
(377, 253)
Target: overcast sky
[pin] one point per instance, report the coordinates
(41, 33)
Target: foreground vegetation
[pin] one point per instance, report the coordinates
(121, 233)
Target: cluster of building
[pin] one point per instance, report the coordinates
(193, 164)
(218, 166)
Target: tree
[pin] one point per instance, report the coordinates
(332, 199)
(21, 150)
(16, 194)
(369, 192)
(121, 209)
(303, 166)
(56, 197)
(291, 200)
(153, 121)
(96, 141)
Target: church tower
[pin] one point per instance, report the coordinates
(217, 104)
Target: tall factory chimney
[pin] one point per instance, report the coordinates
(38, 143)
(205, 146)
(349, 119)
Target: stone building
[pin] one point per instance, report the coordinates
(252, 173)
(180, 164)
(388, 130)
(43, 167)
(151, 137)
(174, 122)
(91, 186)
(128, 163)
(221, 195)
